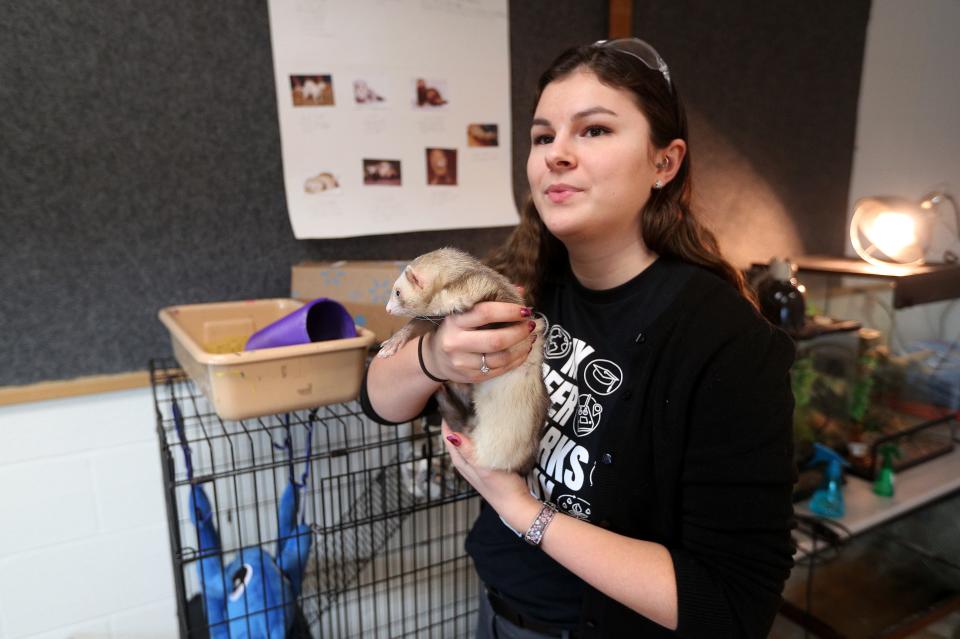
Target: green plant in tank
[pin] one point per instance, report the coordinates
(862, 388)
(802, 378)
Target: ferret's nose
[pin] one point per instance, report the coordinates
(393, 306)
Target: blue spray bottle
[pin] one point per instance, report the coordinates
(827, 501)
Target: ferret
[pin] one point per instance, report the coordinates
(321, 182)
(503, 415)
(362, 93)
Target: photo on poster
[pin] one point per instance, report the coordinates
(385, 172)
(430, 94)
(483, 135)
(362, 96)
(320, 183)
(441, 167)
(369, 91)
(312, 90)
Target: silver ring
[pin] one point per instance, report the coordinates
(483, 364)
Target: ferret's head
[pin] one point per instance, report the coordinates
(424, 277)
(407, 292)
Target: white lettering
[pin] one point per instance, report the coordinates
(573, 478)
(562, 414)
(551, 379)
(580, 352)
(558, 388)
(555, 465)
(546, 444)
(545, 486)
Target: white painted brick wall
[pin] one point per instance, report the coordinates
(84, 550)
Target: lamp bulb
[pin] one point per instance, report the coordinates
(892, 232)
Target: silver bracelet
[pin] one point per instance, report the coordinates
(534, 534)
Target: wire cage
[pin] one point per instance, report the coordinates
(350, 528)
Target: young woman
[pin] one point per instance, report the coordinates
(660, 503)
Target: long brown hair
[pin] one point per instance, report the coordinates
(531, 255)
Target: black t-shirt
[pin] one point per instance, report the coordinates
(588, 375)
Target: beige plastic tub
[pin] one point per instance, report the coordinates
(208, 342)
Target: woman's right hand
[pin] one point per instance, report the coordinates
(460, 346)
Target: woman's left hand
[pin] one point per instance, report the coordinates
(505, 491)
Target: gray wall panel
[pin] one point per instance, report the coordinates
(140, 167)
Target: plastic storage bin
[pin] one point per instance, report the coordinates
(208, 342)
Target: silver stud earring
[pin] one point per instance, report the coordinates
(658, 185)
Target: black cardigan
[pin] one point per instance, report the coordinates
(715, 388)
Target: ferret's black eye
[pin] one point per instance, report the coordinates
(397, 292)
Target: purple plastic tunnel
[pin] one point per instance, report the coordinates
(316, 321)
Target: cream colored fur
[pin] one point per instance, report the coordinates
(510, 409)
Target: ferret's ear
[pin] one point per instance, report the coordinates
(412, 277)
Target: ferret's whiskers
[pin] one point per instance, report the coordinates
(433, 320)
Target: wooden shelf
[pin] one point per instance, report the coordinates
(72, 387)
(912, 285)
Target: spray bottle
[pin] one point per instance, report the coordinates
(827, 501)
(781, 297)
(883, 485)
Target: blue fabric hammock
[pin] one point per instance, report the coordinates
(255, 595)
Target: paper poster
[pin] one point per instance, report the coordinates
(394, 114)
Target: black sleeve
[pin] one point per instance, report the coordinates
(367, 407)
(735, 497)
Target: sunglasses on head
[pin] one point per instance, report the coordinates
(641, 51)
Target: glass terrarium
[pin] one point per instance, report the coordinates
(855, 397)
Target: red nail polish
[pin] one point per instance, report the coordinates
(453, 439)
(525, 312)
(531, 325)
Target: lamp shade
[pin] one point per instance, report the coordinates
(890, 231)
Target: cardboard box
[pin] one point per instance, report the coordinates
(362, 286)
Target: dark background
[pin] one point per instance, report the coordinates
(140, 163)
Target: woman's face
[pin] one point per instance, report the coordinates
(438, 162)
(590, 165)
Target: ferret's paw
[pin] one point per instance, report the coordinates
(541, 326)
(389, 347)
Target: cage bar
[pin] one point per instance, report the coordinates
(387, 515)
